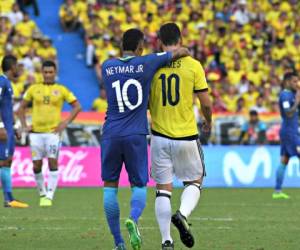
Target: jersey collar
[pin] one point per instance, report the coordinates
(126, 58)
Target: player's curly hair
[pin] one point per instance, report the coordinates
(131, 39)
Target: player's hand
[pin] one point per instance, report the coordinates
(180, 52)
(61, 127)
(184, 51)
(3, 134)
(206, 129)
(18, 134)
(298, 96)
(26, 129)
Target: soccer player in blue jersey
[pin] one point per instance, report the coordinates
(127, 81)
(7, 143)
(289, 100)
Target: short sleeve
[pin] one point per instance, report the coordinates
(200, 84)
(158, 60)
(28, 94)
(286, 101)
(69, 97)
(1, 91)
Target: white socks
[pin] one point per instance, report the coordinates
(52, 184)
(163, 212)
(189, 199)
(39, 178)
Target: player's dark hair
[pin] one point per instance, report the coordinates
(169, 34)
(131, 39)
(8, 62)
(49, 64)
(289, 75)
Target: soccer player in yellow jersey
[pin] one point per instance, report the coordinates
(175, 146)
(47, 101)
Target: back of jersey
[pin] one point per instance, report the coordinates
(171, 99)
(6, 103)
(127, 82)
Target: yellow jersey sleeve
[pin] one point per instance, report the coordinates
(69, 97)
(28, 96)
(200, 80)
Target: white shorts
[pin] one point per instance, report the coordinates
(44, 145)
(181, 158)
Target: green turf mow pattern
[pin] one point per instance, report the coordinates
(226, 219)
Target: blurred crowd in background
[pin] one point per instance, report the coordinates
(245, 46)
(21, 37)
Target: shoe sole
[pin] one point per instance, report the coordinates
(185, 235)
(135, 240)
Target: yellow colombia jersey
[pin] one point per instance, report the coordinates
(47, 101)
(171, 98)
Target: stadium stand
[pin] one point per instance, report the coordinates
(21, 37)
(245, 46)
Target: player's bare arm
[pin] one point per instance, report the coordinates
(76, 109)
(206, 107)
(294, 108)
(3, 134)
(21, 114)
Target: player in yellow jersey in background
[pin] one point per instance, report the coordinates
(175, 145)
(47, 101)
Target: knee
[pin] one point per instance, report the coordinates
(53, 166)
(37, 167)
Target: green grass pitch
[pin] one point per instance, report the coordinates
(226, 219)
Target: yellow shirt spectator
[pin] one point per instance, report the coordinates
(235, 75)
(100, 105)
(6, 6)
(26, 28)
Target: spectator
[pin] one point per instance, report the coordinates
(230, 99)
(26, 27)
(250, 96)
(260, 106)
(68, 16)
(242, 15)
(100, 103)
(256, 75)
(241, 107)
(30, 60)
(235, 75)
(47, 51)
(254, 130)
(16, 15)
(24, 3)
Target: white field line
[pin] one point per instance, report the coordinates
(12, 228)
(103, 219)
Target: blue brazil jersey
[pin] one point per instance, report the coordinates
(6, 104)
(289, 125)
(127, 82)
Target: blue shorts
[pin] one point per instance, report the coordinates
(7, 148)
(290, 146)
(130, 150)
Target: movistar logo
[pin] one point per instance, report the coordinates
(243, 172)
